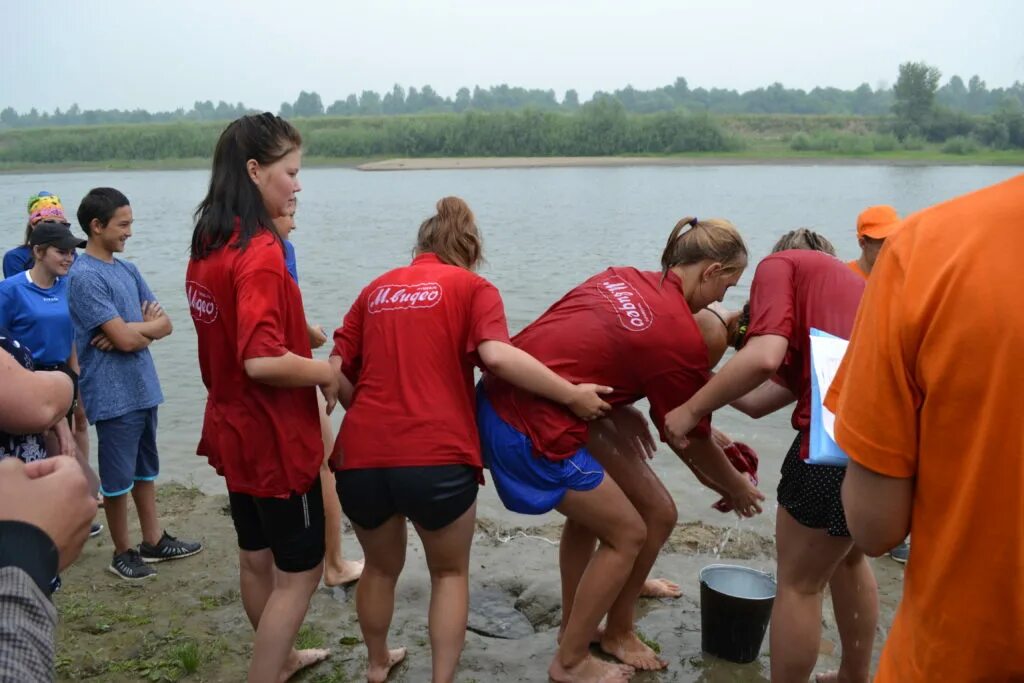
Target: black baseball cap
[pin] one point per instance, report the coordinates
(48, 233)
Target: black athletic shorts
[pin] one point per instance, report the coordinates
(293, 528)
(432, 497)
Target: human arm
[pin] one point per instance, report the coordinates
(117, 335)
(345, 388)
(877, 401)
(317, 336)
(52, 393)
(626, 432)
(764, 400)
(752, 365)
(877, 508)
(705, 457)
(519, 368)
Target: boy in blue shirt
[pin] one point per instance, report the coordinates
(116, 317)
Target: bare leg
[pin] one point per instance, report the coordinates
(807, 560)
(574, 553)
(606, 512)
(116, 512)
(855, 602)
(337, 570)
(144, 495)
(384, 550)
(447, 552)
(654, 503)
(256, 579)
(274, 658)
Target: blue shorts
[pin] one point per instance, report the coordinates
(127, 451)
(527, 483)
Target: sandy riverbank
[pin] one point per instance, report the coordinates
(188, 624)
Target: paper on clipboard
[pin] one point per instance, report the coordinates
(827, 353)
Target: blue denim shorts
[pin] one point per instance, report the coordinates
(127, 451)
(528, 483)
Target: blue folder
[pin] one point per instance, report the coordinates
(822, 449)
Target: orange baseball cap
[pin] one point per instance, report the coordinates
(878, 222)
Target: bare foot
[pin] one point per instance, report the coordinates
(378, 673)
(590, 670)
(629, 649)
(300, 659)
(660, 588)
(350, 572)
(827, 677)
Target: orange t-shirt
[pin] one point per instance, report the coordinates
(936, 370)
(855, 267)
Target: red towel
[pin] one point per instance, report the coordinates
(744, 459)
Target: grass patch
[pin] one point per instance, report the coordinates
(310, 637)
(211, 602)
(653, 644)
(187, 657)
(159, 658)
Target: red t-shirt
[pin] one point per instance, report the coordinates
(264, 440)
(623, 328)
(409, 344)
(792, 292)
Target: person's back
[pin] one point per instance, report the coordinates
(407, 340)
(622, 327)
(933, 393)
(824, 294)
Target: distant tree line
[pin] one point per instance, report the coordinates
(921, 111)
(972, 98)
(602, 127)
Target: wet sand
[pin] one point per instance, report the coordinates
(189, 618)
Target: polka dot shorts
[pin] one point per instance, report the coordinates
(811, 493)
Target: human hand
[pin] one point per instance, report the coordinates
(102, 342)
(65, 439)
(151, 310)
(745, 497)
(586, 402)
(331, 389)
(679, 422)
(28, 494)
(317, 336)
(633, 431)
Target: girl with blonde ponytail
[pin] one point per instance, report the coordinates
(635, 331)
(408, 446)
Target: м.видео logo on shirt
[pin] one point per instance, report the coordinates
(395, 297)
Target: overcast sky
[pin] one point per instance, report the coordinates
(162, 55)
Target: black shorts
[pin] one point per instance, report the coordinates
(432, 497)
(293, 528)
(812, 494)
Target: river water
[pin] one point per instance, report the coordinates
(545, 230)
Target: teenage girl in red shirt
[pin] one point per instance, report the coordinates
(409, 447)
